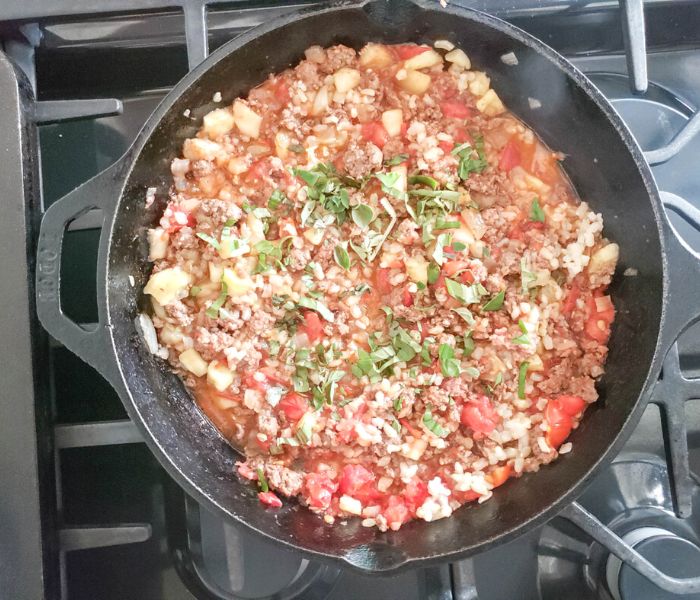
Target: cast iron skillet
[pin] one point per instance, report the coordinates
(604, 163)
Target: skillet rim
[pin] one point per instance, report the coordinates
(130, 159)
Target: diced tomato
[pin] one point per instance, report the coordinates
(374, 132)
(270, 499)
(479, 415)
(455, 110)
(446, 146)
(407, 51)
(353, 479)
(468, 496)
(598, 322)
(415, 492)
(382, 281)
(312, 326)
(560, 424)
(453, 266)
(572, 405)
(510, 156)
(406, 297)
(570, 300)
(416, 433)
(461, 135)
(396, 512)
(320, 488)
(244, 470)
(500, 475)
(263, 445)
(281, 91)
(404, 131)
(259, 169)
(254, 382)
(293, 405)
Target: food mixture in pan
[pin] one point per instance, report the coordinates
(380, 284)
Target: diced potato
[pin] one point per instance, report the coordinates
(475, 222)
(458, 57)
(235, 285)
(219, 375)
(345, 79)
(392, 121)
(169, 335)
(402, 182)
(424, 60)
(158, 240)
(535, 363)
(415, 82)
(237, 165)
(247, 120)
(193, 362)
(444, 45)
(314, 236)
(479, 84)
(282, 144)
(350, 505)
(199, 149)
(216, 271)
(417, 269)
(320, 104)
(375, 56)
(217, 123)
(415, 449)
(168, 285)
(604, 260)
(463, 235)
(255, 229)
(490, 104)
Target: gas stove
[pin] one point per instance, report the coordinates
(86, 511)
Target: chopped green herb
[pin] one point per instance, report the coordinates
(363, 215)
(262, 482)
(449, 365)
(328, 199)
(496, 302)
(486, 253)
(423, 180)
(433, 273)
(466, 294)
(396, 160)
(499, 379)
(320, 308)
(213, 311)
(522, 373)
(305, 428)
(212, 241)
(432, 425)
(448, 195)
(398, 403)
(469, 344)
(194, 291)
(440, 224)
(527, 277)
(276, 198)
(522, 339)
(396, 425)
(465, 313)
(471, 159)
(472, 372)
(458, 246)
(341, 256)
(389, 181)
(536, 212)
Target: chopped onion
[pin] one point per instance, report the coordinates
(534, 103)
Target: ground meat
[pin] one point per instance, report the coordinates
(298, 258)
(337, 349)
(337, 57)
(361, 159)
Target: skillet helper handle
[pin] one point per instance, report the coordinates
(91, 345)
(605, 536)
(683, 302)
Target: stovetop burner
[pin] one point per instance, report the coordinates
(115, 512)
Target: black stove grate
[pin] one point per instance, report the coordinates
(21, 35)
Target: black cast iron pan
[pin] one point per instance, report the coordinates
(604, 163)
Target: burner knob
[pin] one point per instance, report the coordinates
(667, 551)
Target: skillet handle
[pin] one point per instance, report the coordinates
(91, 345)
(684, 273)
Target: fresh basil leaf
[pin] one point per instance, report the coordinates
(423, 180)
(262, 482)
(522, 374)
(396, 160)
(472, 372)
(432, 425)
(212, 241)
(433, 273)
(213, 311)
(465, 313)
(496, 302)
(449, 365)
(342, 257)
(362, 215)
(320, 308)
(466, 294)
(536, 212)
(469, 344)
